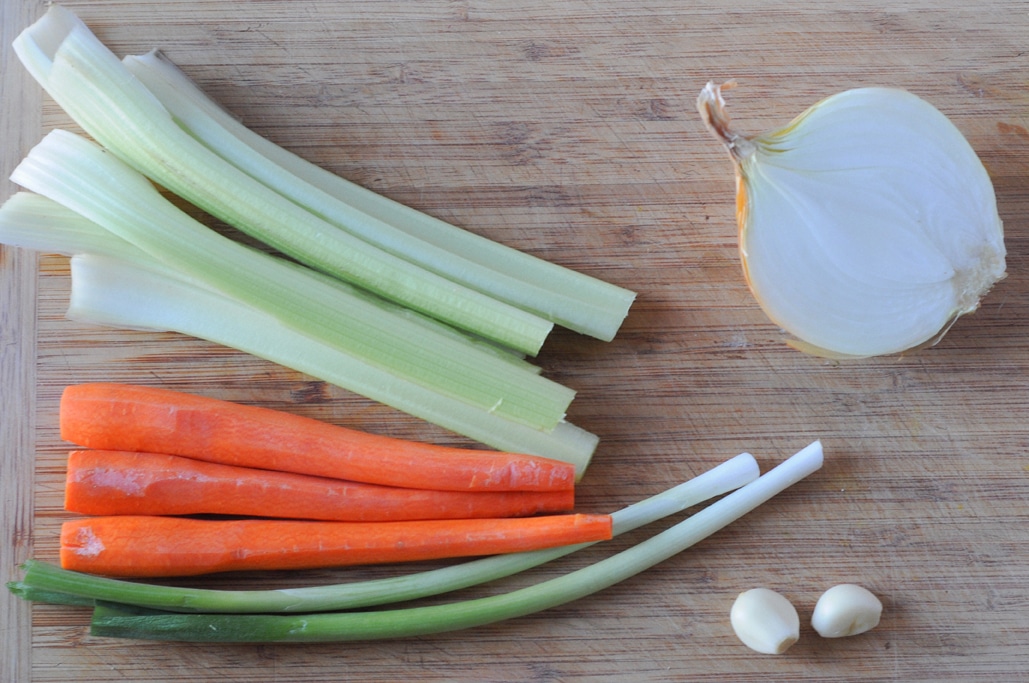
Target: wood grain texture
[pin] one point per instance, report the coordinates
(568, 129)
(19, 130)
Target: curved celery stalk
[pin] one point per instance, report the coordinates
(80, 175)
(568, 298)
(47, 583)
(399, 623)
(117, 110)
(32, 221)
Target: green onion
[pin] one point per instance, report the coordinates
(46, 583)
(118, 111)
(83, 177)
(50, 597)
(570, 299)
(112, 621)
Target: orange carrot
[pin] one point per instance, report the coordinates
(147, 546)
(146, 419)
(101, 482)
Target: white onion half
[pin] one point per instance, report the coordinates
(867, 225)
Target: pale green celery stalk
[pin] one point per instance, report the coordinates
(92, 85)
(47, 583)
(116, 293)
(130, 289)
(573, 300)
(85, 178)
(113, 621)
(32, 221)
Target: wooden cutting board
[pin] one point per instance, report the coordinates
(568, 129)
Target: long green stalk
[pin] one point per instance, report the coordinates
(32, 221)
(81, 176)
(118, 111)
(47, 583)
(399, 623)
(35, 222)
(570, 299)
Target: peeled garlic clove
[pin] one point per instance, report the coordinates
(846, 610)
(765, 621)
(867, 225)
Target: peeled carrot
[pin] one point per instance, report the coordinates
(146, 546)
(101, 482)
(146, 419)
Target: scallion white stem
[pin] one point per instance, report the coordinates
(43, 581)
(399, 623)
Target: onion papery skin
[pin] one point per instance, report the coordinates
(867, 225)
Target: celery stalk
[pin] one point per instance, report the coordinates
(47, 583)
(115, 293)
(118, 111)
(114, 621)
(35, 222)
(130, 289)
(568, 298)
(32, 221)
(80, 175)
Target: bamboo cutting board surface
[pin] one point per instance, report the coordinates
(568, 129)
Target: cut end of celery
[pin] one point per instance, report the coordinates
(37, 45)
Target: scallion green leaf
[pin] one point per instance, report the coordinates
(398, 623)
(46, 582)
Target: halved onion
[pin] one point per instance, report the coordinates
(867, 225)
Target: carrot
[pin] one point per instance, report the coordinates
(101, 482)
(148, 546)
(146, 419)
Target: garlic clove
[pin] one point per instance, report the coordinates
(867, 225)
(846, 610)
(765, 621)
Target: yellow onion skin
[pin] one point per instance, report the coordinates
(866, 226)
